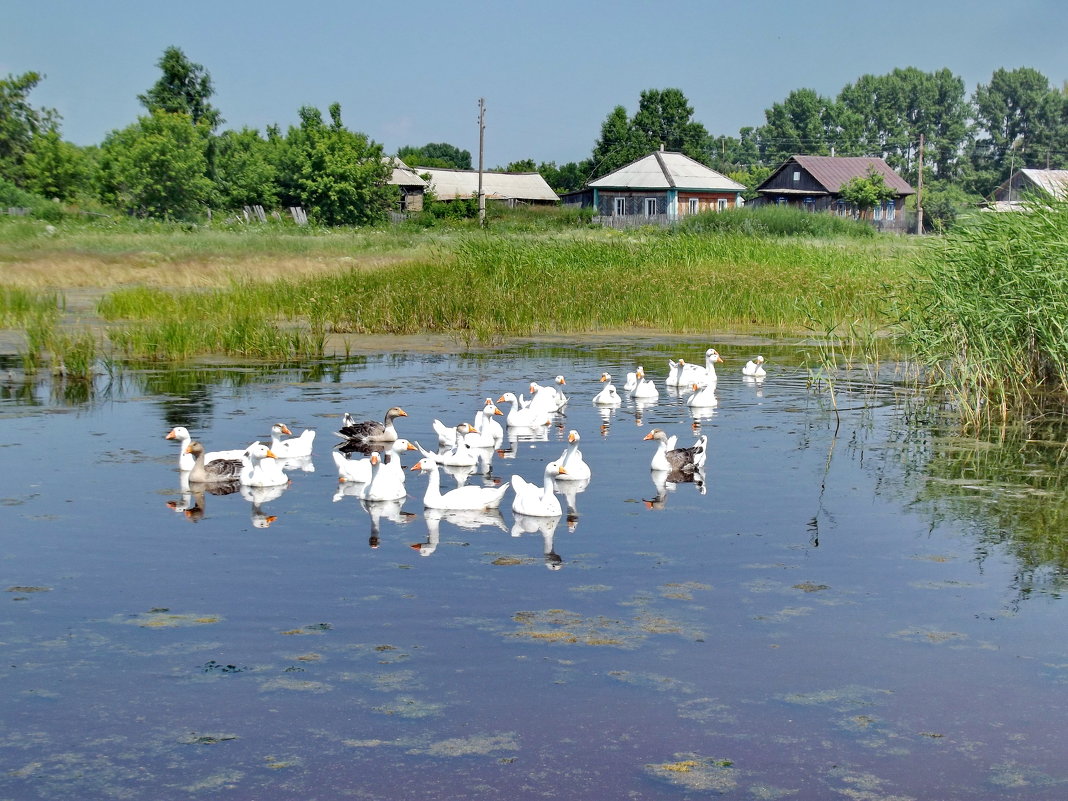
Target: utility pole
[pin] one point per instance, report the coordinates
(919, 192)
(481, 149)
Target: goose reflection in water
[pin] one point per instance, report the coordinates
(384, 510)
(467, 519)
(302, 463)
(192, 503)
(546, 526)
(257, 496)
(667, 481)
(570, 490)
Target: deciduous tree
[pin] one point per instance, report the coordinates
(20, 122)
(184, 88)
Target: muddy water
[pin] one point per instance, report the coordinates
(871, 612)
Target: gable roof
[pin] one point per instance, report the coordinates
(833, 172)
(403, 175)
(453, 184)
(1053, 182)
(665, 170)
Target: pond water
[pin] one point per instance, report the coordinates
(872, 612)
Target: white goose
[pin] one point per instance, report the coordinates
(358, 471)
(186, 458)
(683, 374)
(487, 426)
(644, 388)
(385, 484)
(574, 466)
(703, 397)
(608, 396)
(535, 501)
(518, 417)
(547, 398)
(261, 469)
(465, 497)
(755, 368)
(293, 447)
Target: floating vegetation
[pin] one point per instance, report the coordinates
(929, 635)
(475, 745)
(808, 586)
(211, 666)
(296, 685)
(682, 591)
(27, 589)
(408, 707)
(205, 739)
(165, 619)
(842, 699)
(694, 772)
(314, 628)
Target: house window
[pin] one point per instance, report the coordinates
(810, 204)
(780, 201)
(621, 206)
(721, 204)
(694, 205)
(797, 176)
(650, 207)
(877, 212)
(840, 208)
(891, 210)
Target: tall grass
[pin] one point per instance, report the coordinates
(776, 221)
(988, 310)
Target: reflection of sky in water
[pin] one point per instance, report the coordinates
(805, 623)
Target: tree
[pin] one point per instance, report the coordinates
(337, 175)
(665, 118)
(867, 192)
(1020, 118)
(244, 171)
(804, 123)
(617, 145)
(184, 88)
(566, 178)
(436, 154)
(56, 169)
(523, 165)
(157, 167)
(20, 122)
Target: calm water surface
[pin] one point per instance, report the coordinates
(869, 614)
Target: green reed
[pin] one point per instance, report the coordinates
(988, 310)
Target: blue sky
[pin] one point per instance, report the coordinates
(550, 71)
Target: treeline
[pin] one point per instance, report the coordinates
(174, 162)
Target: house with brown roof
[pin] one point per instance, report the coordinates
(814, 183)
(662, 186)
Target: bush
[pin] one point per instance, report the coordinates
(775, 221)
(40, 208)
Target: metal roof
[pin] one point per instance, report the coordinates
(832, 172)
(403, 175)
(664, 170)
(452, 184)
(1055, 182)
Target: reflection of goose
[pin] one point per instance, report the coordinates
(703, 397)
(755, 368)
(384, 510)
(666, 481)
(465, 497)
(575, 467)
(682, 459)
(302, 463)
(570, 490)
(385, 484)
(192, 503)
(293, 447)
(204, 472)
(608, 396)
(359, 470)
(260, 468)
(544, 525)
(186, 458)
(258, 496)
(530, 499)
(523, 417)
(462, 518)
(372, 430)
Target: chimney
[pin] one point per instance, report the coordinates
(661, 147)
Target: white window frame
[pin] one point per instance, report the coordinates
(621, 206)
(721, 204)
(891, 211)
(877, 211)
(797, 176)
(695, 205)
(650, 207)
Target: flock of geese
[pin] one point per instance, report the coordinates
(368, 454)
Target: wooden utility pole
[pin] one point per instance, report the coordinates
(919, 192)
(481, 148)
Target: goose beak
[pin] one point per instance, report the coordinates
(411, 447)
(270, 453)
(170, 435)
(498, 411)
(501, 399)
(648, 436)
(285, 429)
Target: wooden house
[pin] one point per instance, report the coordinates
(814, 183)
(663, 185)
(1025, 186)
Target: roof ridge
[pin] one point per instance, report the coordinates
(664, 169)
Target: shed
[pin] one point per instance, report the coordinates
(412, 187)
(814, 183)
(1024, 185)
(511, 187)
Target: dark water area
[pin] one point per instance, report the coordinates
(868, 611)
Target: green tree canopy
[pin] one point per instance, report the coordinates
(20, 122)
(436, 154)
(665, 118)
(804, 123)
(869, 191)
(245, 172)
(184, 88)
(157, 167)
(57, 169)
(338, 176)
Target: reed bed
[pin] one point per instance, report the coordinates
(987, 312)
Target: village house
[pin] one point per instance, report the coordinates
(1027, 185)
(663, 186)
(814, 183)
(513, 188)
(411, 186)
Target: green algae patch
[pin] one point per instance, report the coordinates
(928, 635)
(165, 619)
(808, 586)
(682, 590)
(27, 589)
(296, 685)
(412, 708)
(475, 745)
(313, 628)
(692, 772)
